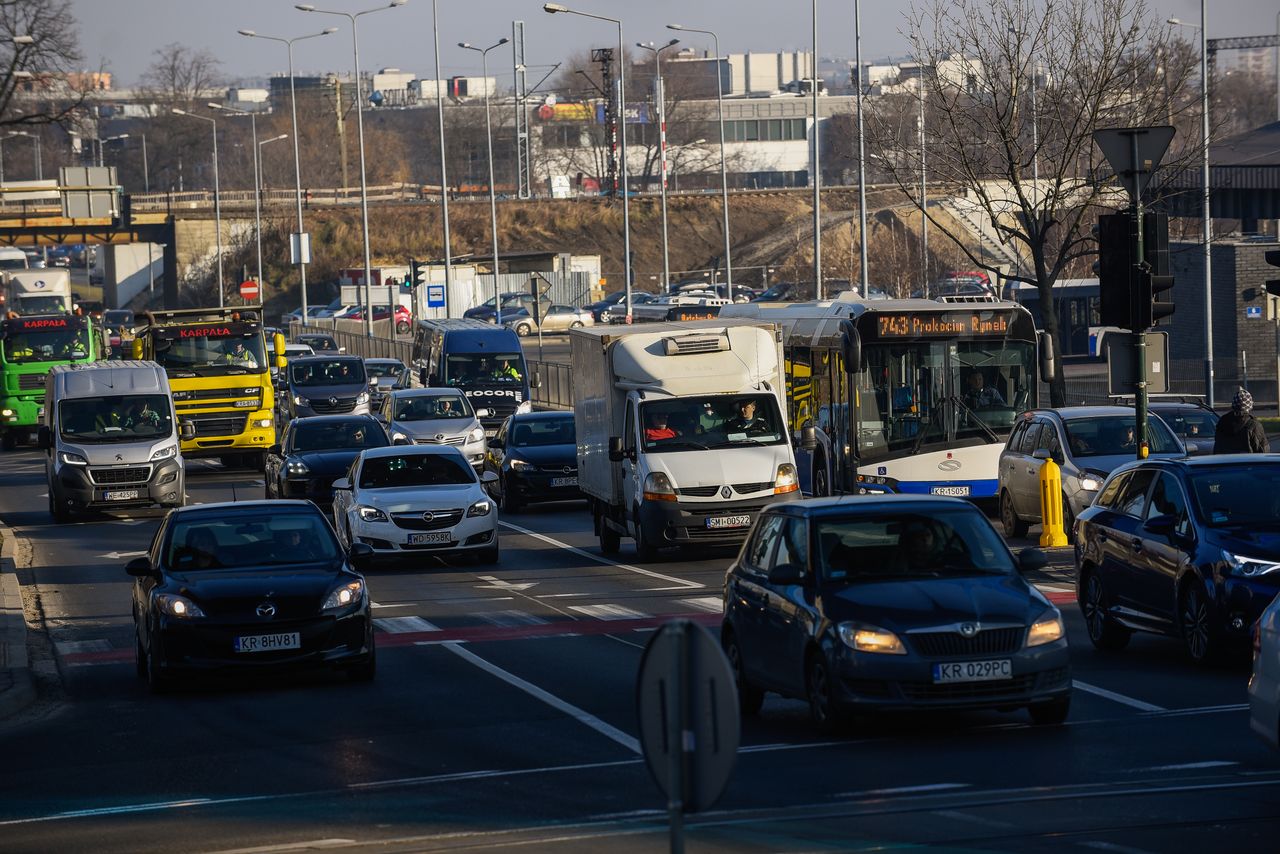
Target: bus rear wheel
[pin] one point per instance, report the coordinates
(9, 440)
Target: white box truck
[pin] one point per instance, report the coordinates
(44, 291)
(680, 430)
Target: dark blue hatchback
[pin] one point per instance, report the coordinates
(1188, 548)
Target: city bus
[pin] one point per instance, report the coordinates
(1079, 313)
(911, 396)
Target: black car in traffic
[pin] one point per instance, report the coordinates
(316, 451)
(249, 586)
(890, 603)
(1188, 548)
(535, 456)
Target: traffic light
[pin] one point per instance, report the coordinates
(1273, 285)
(1116, 235)
(417, 274)
(1133, 292)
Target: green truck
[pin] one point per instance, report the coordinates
(31, 346)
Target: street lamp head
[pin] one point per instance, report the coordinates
(675, 26)
(395, 3)
(1174, 21)
(552, 8)
(249, 33)
(327, 31)
(467, 46)
(503, 40)
(304, 7)
(673, 42)
(178, 112)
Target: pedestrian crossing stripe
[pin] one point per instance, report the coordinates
(608, 612)
(404, 625)
(710, 604)
(512, 618)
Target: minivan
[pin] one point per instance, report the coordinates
(327, 385)
(484, 361)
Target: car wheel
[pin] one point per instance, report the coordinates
(1104, 632)
(157, 681)
(820, 688)
(820, 480)
(139, 656)
(402, 327)
(58, 510)
(1052, 713)
(577, 324)
(1198, 632)
(1013, 526)
(523, 330)
(645, 550)
(256, 461)
(366, 670)
(610, 540)
(509, 502)
(750, 698)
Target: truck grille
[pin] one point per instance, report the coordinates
(31, 382)
(322, 406)
(111, 477)
(218, 425)
(698, 491)
(448, 440)
(415, 522)
(748, 488)
(216, 393)
(947, 644)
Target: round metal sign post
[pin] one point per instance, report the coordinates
(687, 705)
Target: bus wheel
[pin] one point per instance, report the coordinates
(820, 480)
(9, 441)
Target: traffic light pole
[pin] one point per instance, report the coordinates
(1140, 394)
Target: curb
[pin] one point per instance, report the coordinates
(17, 688)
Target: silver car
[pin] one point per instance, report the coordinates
(557, 318)
(434, 416)
(1264, 686)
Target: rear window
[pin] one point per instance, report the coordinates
(329, 436)
(545, 431)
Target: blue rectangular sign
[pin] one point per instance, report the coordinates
(1253, 312)
(435, 296)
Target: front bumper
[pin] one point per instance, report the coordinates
(390, 538)
(535, 486)
(1242, 602)
(75, 488)
(253, 431)
(685, 523)
(902, 682)
(209, 645)
(26, 412)
(318, 490)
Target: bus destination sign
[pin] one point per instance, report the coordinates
(942, 325)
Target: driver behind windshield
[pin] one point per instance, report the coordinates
(746, 420)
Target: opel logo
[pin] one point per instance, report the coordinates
(568, 469)
(428, 516)
(949, 465)
(333, 401)
(968, 630)
(267, 609)
(726, 492)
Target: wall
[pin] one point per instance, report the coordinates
(125, 271)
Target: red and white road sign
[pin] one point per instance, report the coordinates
(249, 290)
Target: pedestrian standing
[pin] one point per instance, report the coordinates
(1239, 432)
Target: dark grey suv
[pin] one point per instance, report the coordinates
(327, 385)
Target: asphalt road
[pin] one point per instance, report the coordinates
(503, 717)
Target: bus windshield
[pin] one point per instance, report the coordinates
(210, 354)
(65, 344)
(464, 369)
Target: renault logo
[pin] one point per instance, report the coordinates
(428, 516)
(726, 492)
(333, 401)
(968, 630)
(949, 465)
(267, 609)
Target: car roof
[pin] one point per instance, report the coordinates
(436, 391)
(322, 357)
(247, 508)
(1209, 461)
(1072, 412)
(846, 504)
(336, 419)
(382, 360)
(413, 451)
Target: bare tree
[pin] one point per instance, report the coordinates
(41, 76)
(181, 77)
(1093, 62)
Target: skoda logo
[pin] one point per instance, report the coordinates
(949, 465)
(267, 609)
(968, 630)
(726, 492)
(428, 516)
(333, 401)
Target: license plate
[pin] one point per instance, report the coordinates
(490, 432)
(957, 491)
(121, 495)
(564, 481)
(268, 643)
(728, 521)
(972, 671)
(433, 537)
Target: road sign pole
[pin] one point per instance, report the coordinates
(1140, 351)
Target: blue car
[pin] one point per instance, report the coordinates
(1188, 548)
(885, 603)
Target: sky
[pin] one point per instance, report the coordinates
(122, 34)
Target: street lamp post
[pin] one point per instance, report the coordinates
(724, 175)
(364, 184)
(551, 9)
(817, 166)
(924, 187)
(257, 200)
(660, 96)
(217, 196)
(862, 156)
(1206, 214)
(258, 180)
(297, 160)
(493, 196)
(444, 170)
(103, 140)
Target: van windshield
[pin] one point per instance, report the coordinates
(470, 368)
(43, 304)
(117, 418)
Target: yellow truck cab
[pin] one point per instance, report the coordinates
(219, 367)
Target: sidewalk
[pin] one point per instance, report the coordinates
(17, 688)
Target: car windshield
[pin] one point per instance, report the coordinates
(1192, 424)
(118, 317)
(415, 470)
(323, 372)
(540, 432)
(426, 407)
(46, 345)
(212, 351)
(723, 421)
(309, 435)
(384, 369)
(885, 546)
(118, 418)
(1238, 496)
(320, 343)
(467, 368)
(1114, 435)
(243, 541)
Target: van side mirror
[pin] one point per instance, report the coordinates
(44, 439)
(187, 430)
(483, 413)
(616, 454)
(808, 437)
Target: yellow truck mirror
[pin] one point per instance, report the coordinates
(136, 347)
(278, 341)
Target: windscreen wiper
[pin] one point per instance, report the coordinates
(991, 434)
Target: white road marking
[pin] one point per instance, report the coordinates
(562, 595)
(498, 584)
(397, 605)
(607, 730)
(681, 583)
(72, 647)
(1186, 766)
(957, 815)
(404, 625)
(710, 604)
(1203, 710)
(1111, 846)
(904, 790)
(461, 599)
(1140, 705)
(121, 555)
(512, 618)
(608, 612)
(311, 845)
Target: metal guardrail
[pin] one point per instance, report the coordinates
(555, 384)
(353, 340)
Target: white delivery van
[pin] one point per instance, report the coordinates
(44, 291)
(682, 439)
(111, 438)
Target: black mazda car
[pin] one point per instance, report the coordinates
(535, 456)
(314, 452)
(249, 586)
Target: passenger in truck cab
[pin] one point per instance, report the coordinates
(658, 429)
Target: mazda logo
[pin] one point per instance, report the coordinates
(267, 609)
(428, 516)
(949, 465)
(968, 630)
(726, 492)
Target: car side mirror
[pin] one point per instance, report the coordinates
(489, 477)
(1191, 448)
(786, 573)
(342, 483)
(808, 437)
(1041, 454)
(1162, 525)
(44, 439)
(140, 567)
(187, 430)
(342, 349)
(483, 413)
(616, 454)
(359, 554)
(274, 450)
(1032, 559)
(401, 441)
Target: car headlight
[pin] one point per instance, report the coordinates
(299, 400)
(70, 459)
(296, 468)
(1046, 630)
(481, 508)
(865, 638)
(371, 514)
(658, 487)
(342, 597)
(1249, 567)
(521, 465)
(1091, 481)
(786, 480)
(476, 435)
(525, 406)
(178, 606)
(165, 453)
(401, 437)
(362, 397)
